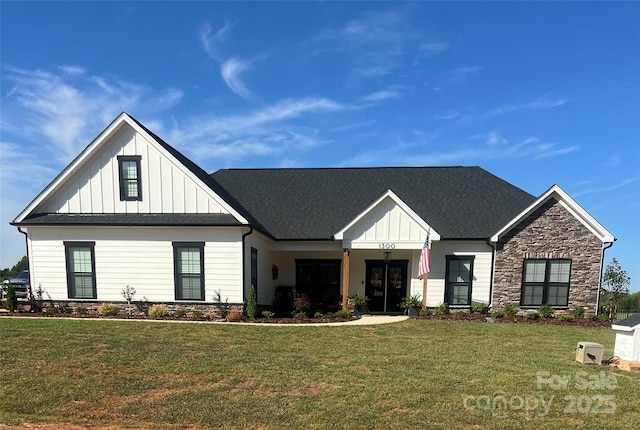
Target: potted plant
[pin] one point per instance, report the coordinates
(412, 305)
(359, 304)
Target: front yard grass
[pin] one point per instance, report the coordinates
(415, 374)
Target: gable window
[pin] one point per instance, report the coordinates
(188, 265)
(254, 268)
(545, 282)
(130, 182)
(459, 280)
(81, 275)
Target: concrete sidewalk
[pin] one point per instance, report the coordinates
(364, 320)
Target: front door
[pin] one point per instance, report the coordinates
(386, 285)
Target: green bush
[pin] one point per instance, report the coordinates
(509, 309)
(107, 309)
(181, 313)
(601, 317)
(497, 314)
(300, 315)
(267, 314)
(343, 313)
(460, 314)
(425, 312)
(567, 318)
(533, 315)
(11, 303)
(545, 311)
(578, 312)
(80, 310)
(443, 309)
(156, 311)
(197, 315)
(252, 303)
(479, 308)
(318, 315)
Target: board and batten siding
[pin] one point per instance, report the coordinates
(141, 257)
(167, 186)
(481, 285)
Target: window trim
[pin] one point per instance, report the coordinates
(448, 291)
(122, 159)
(176, 247)
(546, 283)
(70, 279)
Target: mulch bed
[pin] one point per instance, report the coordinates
(517, 319)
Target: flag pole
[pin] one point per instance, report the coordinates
(424, 290)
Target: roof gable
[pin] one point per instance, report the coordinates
(387, 219)
(569, 204)
(90, 183)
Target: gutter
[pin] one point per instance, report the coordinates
(604, 248)
(493, 270)
(244, 259)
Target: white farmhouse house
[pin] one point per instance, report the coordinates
(131, 210)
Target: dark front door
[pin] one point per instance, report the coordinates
(386, 285)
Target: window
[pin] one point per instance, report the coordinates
(459, 279)
(254, 268)
(81, 275)
(188, 262)
(545, 282)
(319, 280)
(130, 184)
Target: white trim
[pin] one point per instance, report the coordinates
(398, 201)
(104, 136)
(568, 203)
(625, 327)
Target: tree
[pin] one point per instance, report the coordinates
(615, 285)
(21, 265)
(252, 303)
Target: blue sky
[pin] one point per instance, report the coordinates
(538, 93)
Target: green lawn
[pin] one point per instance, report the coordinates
(415, 374)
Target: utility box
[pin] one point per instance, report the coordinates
(589, 353)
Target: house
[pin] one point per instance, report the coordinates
(132, 210)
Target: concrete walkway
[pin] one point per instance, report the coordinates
(364, 320)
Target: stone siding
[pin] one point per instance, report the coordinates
(550, 232)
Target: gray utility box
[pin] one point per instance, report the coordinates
(589, 353)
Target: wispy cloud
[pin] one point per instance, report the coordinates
(608, 188)
(212, 41)
(460, 74)
(231, 70)
(544, 102)
(67, 107)
(434, 48)
(383, 95)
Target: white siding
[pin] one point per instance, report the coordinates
(139, 257)
(481, 285)
(167, 186)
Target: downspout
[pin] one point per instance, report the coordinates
(244, 260)
(26, 247)
(604, 248)
(493, 271)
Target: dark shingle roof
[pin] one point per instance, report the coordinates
(133, 219)
(291, 204)
(631, 321)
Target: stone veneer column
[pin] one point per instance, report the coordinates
(550, 232)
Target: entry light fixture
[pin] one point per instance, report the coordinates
(387, 256)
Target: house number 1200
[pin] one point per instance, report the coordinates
(386, 245)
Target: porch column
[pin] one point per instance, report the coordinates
(345, 277)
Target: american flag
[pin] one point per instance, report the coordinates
(423, 267)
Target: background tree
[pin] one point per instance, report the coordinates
(615, 286)
(21, 265)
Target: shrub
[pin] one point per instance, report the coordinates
(107, 309)
(300, 315)
(318, 315)
(460, 314)
(601, 317)
(157, 311)
(235, 315)
(425, 312)
(509, 309)
(411, 302)
(80, 310)
(567, 318)
(343, 313)
(443, 309)
(181, 313)
(302, 304)
(143, 305)
(252, 303)
(578, 312)
(479, 308)
(533, 315)
(497, 314)
(36, 299)
(11, 303)
(545, 311)
(196, 315)
(267, 314)
(223, 307)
